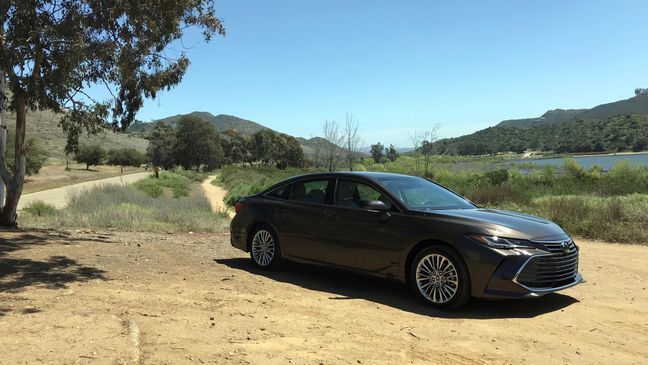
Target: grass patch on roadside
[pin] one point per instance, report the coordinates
(178, 185)
(614, 219)
(191, 175)
(39, 208)
(127, 208)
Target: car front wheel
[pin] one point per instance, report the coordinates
(440, 278)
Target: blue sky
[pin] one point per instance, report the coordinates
(403, 65)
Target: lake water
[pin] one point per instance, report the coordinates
(607, 161)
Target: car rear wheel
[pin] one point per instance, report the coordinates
(440, 278)
(264, 248)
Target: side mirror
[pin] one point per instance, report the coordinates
(375, 205)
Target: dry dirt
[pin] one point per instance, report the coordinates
(112, 297)
(215, 195)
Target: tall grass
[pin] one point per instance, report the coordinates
(127, 208)
(177, 185)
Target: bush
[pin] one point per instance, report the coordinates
(126, 157)
(497, 177)
(39, 208)
(155, 187)
(191, 174)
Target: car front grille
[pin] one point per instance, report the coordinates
(553, 270)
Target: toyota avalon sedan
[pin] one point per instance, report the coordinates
(407, 229)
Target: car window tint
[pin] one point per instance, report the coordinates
(352, 194)
(279, 193)
(310, 191)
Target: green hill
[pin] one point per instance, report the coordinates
(221, 122)
(43, 126)
(635, 105)
(620, 133)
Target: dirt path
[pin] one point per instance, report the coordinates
(58, 197)
(215, 195)
(111, 297)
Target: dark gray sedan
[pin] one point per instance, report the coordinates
(408, 229)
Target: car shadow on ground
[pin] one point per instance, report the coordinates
(55, 272)
(344, 285)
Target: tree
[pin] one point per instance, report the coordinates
(392, 154)
(126, 157)
(161, 143)
(90, 155)
(332, 145)
(234, 146)
(35, 156)
(351, 139)
(423, 141)
(261, 146)
(288, 151)
(377, 152)
(52, 52)
(197, 144)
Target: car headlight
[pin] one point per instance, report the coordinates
(501, 242)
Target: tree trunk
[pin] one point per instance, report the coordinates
(15, 183)
(3, 134)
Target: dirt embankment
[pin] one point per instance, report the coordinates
(87, 298)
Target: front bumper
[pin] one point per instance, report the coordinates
(521, 273)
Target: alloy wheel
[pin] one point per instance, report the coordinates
(263, 247)
(437, 278)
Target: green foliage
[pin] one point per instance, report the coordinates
(279, 149)
(392, 154)
(378, 152)
(191, 175)
(35, 155)
(620, 133)
(155, 187)
(39, 208)
(126, 157)
(197, 145)
(161, 144)
(127, 208)
(497, 177)
(90, 155)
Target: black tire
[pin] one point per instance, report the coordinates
(435, 289)
(260, 249)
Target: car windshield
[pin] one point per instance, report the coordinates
(420, 194)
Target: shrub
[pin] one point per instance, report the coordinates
(155, 187)
(497, 177)
(39, 208)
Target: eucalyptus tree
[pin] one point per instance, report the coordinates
(53, 53)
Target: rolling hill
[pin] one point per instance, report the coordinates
(44, 127)
(221, 122)
(635, 105)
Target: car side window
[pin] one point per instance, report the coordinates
(281, 193)
(313, 191)
(353, 194)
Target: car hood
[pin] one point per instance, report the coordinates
(503, 223)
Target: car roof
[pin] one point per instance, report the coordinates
(376, 176)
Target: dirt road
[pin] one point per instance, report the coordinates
(215, 195)
(58, 197)
(110, 297)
